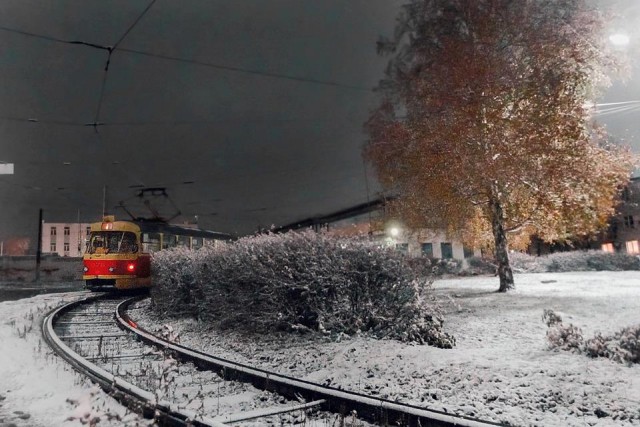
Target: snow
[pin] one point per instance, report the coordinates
(500, 368)
(36, 387)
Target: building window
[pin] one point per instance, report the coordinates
(632, 247)
(88, 230)
(402, 247)
(447, 250)
(67, 231)
(66, 247)
(468, 252)
(608, 247)
(427, 249)
(628, 221)
(53, 247)
(53, 231)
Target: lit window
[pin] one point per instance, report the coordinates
(632, 247)
(607, 247)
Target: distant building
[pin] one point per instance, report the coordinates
(65, 239)
(369, 220)
(623, 234)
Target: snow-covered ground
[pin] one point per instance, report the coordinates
(500, 368)
(36, 387)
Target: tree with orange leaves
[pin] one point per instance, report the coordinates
(485, 129)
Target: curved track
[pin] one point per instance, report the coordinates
(85, 334)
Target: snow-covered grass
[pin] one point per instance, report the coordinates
(501, 368)
(36, 387)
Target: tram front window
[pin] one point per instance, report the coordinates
(112, 242)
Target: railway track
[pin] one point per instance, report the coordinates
(180, 386)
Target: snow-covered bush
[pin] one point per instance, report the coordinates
(565, 337)
(300, 281)
(551, 318)
(623, 346)
(598, 346)
(174, 274)
(592, 260)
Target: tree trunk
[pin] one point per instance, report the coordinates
(501, 251)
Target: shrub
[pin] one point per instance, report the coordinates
(563, 337)
(593, 260)
(628, 348)
(550, 317)
(597, 346)
(624, 346)
(300, 281)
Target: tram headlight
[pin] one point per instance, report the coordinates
(85, 268)
(112, 269)
(131, 267)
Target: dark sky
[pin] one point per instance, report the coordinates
(249, 112)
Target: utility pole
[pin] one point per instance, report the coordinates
(39, 252)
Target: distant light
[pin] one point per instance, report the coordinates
(619, 39)
(394, 231)
(66, 163)
(6, 168)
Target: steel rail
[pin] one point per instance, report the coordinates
(131, 396)
(370, 408)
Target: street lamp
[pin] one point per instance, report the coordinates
(619, 39)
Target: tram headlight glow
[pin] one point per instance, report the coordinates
(85, 269)
(131, 267)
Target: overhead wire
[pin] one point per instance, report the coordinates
(190, 61)
(110, 50)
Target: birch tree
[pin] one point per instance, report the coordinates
(485, 127)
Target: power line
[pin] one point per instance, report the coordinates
(293, 120)
(194, 62)
(106, 68)
(115, 46)
(247, 71)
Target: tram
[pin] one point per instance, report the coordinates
(118, 253)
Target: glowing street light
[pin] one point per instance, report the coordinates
(619, 39)
(394, 231)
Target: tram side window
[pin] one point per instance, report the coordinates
(150, 242)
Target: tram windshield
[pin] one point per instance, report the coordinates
(112, 242)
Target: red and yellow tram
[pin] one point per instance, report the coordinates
(118, 253)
